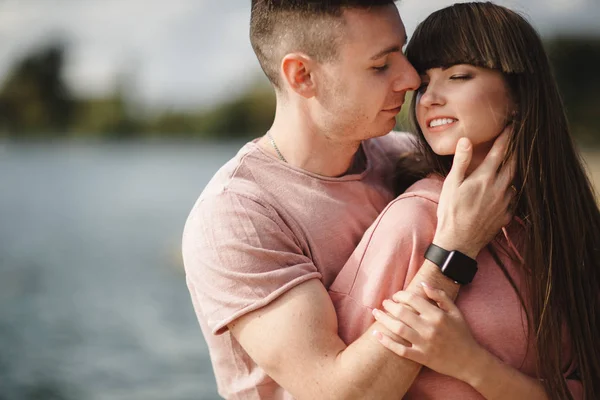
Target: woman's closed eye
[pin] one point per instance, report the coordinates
(461, 77)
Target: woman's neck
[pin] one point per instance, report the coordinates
(479, 153)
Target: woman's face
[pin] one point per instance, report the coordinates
(462, 101)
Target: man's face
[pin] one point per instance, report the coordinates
(361, 92)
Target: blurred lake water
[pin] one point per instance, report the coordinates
(93, 301)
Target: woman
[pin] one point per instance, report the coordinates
(534, 304)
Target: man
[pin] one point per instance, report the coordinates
(276, 224)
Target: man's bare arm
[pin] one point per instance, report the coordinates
(295, 340)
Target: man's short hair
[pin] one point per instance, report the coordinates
(278, 27)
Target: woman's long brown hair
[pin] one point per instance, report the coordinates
(555, 200)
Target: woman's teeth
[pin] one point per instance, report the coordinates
(441, 121)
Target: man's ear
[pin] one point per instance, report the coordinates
(297, 70)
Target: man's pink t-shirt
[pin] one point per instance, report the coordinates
(388, 257)
(261, 227)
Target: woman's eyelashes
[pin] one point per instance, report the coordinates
(455, 77)
(461, 77)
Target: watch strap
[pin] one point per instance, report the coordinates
(436, 254)
(453, 264)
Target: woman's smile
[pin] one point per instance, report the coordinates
(438, 124)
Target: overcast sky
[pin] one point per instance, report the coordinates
(191, 53)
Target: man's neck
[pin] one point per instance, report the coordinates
(306, 147)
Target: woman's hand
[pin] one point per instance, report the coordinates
(438, 336)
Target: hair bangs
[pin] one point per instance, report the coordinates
(483, 38)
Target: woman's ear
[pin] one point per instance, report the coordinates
(297, 70)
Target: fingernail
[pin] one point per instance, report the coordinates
(378, 335)
(375, 312)
(425, 285)
(463, 143)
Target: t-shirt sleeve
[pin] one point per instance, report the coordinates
(239, 256)
(385, 261)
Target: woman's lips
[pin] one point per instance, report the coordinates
(440, 123)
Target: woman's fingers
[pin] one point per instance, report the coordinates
(440, 297)
(403, 313)
(418, 303)
(403, 351)
(396, 326)
(439, 337)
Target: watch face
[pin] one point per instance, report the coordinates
(459, 267)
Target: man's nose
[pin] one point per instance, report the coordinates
(408, 78)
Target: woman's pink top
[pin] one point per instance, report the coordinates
(388, 257)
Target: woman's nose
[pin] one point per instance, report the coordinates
(429, 96)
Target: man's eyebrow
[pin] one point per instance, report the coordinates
(391, 49)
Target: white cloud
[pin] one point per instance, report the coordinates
(561, 6)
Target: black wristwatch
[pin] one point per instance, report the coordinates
(454, 264)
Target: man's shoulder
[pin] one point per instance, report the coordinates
(238, 175)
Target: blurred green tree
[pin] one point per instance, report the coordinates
(250, 114)
(34, 97)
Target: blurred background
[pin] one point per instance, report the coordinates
(114, 114)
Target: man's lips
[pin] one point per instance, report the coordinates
(395, 109)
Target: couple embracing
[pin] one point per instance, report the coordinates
(332, 258)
